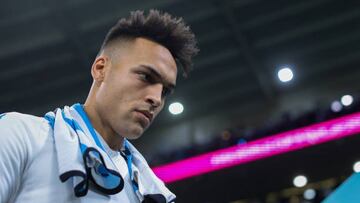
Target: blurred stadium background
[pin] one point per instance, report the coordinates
(235, 95)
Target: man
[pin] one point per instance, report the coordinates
(87, 146)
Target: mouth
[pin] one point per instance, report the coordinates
(146, 114)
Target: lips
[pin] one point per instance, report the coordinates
(147, 114)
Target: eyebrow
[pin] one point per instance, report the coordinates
(153, 71)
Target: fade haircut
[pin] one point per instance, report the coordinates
(159, 27)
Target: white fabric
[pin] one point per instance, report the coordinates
(67, 147)
(29, 169)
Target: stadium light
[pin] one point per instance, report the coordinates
(347, 100)
(309, 194)
(300, 181)
(336, 106)
(176, 108)
(285, 74)
(356, 167)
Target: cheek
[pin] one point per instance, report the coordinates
(109, 98)
(121, 95)
(105, 96)
(113, 90)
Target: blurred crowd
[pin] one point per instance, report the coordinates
(241, 135)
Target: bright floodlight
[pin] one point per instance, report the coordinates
(176, 108)
(356, 167)
(347, 100)
(285, 74)
(309, 194)
(300, 181)
(336, 106)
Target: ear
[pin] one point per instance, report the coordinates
(99, 68)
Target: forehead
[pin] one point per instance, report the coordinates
(142, 51)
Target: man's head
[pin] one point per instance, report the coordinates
(136, 69)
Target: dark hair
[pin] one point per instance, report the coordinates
(162, 28)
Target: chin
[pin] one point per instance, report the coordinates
(135, 133)
(133, 137)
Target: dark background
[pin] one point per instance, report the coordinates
(47, 48)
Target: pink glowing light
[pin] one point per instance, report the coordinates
(261, 148)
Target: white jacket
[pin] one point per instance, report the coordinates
(29, 169)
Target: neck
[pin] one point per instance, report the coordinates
(114, 141)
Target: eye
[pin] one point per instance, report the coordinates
(165, 92)
(145, 77)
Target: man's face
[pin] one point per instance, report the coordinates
(135, 86)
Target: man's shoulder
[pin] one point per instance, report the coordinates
(20, 123)
(20, 116)
(20, 119)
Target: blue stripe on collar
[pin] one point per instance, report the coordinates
(85, 118)
(78, 107)
(75, 126)
(50, 119)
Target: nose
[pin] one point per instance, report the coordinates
(154, 95)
